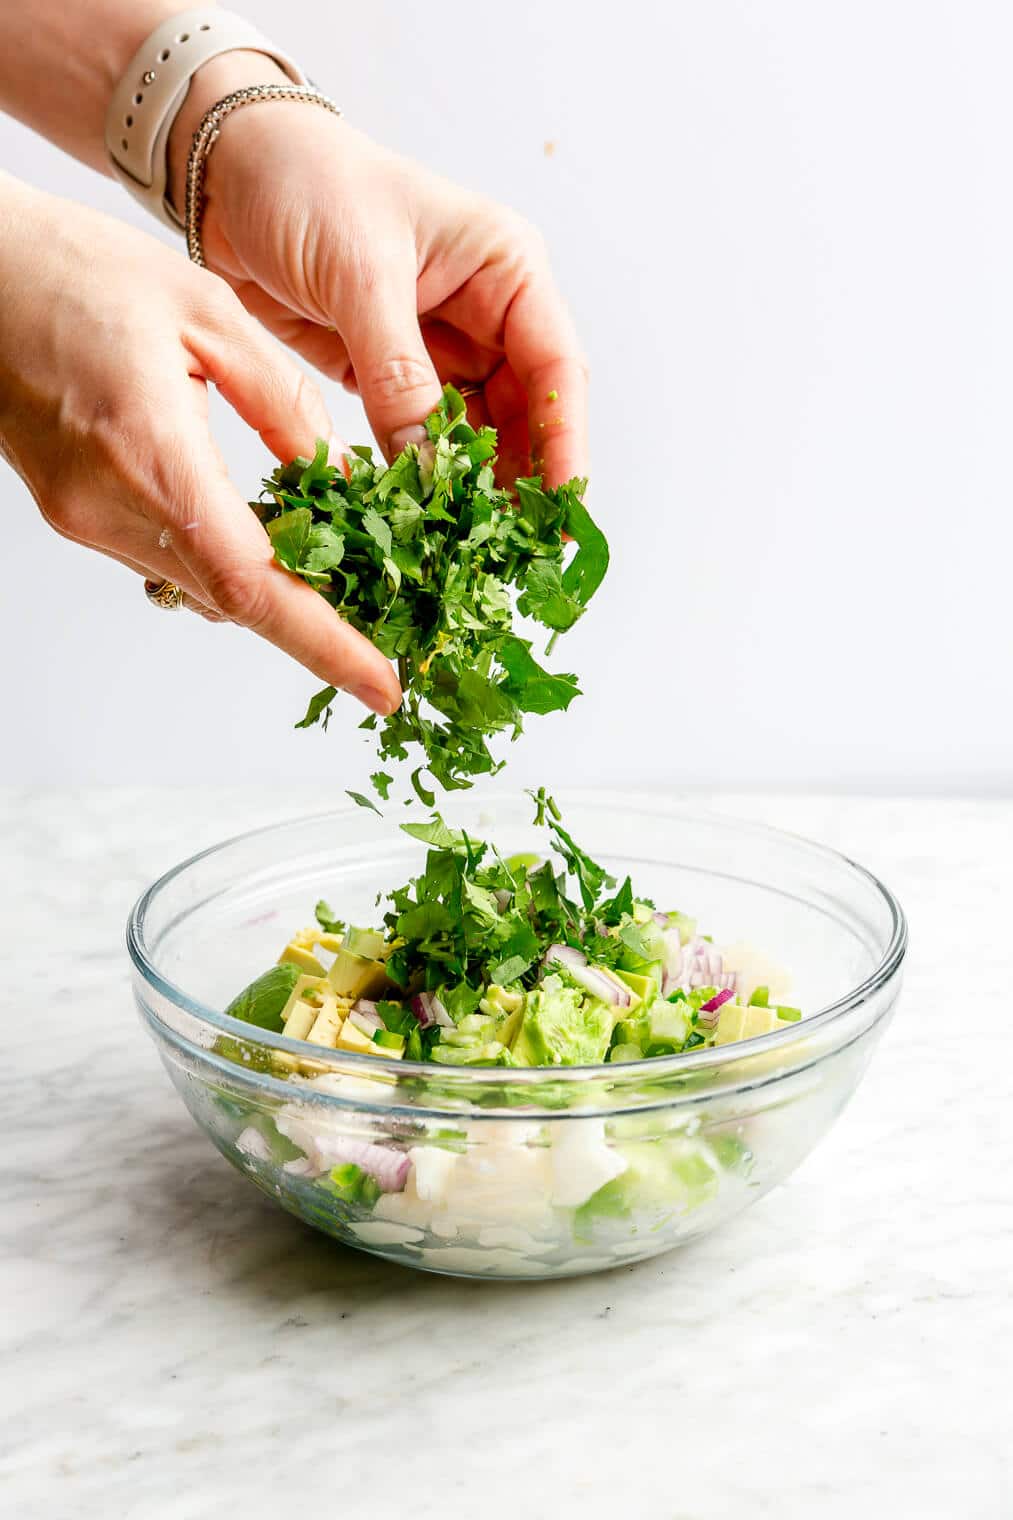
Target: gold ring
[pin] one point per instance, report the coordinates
(164, 594)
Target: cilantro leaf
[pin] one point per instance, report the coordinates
(319, 709)
(586, 570)
(508, 970)
(532, 688)
(435, 833)
(325, 550)
(382, 782)
(428, 557)
(290, 534)
(364, 802)
(325, 918)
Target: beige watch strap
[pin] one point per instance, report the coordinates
(147, 99)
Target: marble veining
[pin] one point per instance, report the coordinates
(173, 1346)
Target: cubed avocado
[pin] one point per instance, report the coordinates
(502, 998)
(301, 1019)
(307, 989)
(491, 1054)
(368, 943)
(730, 1023)
(297, 955)
(643, 985)
(633, 1029)
(738, 1023)
(327, 1024)
(625, 1052)
(562, 1026)
(503, 1011)
(759, 1021)
(475, 1029)
(668, 1025)
(352, 1038)
(264, 1001)
(353, 976)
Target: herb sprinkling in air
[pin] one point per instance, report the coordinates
(430, 558)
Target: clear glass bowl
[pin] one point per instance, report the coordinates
(519, 1173)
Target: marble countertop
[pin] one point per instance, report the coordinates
(173, 1346)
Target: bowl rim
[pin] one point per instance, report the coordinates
(659, 1067)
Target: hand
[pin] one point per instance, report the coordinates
(387, 277)
(107, 344)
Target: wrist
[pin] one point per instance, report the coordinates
(211, 83)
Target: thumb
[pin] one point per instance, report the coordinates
(393, 371)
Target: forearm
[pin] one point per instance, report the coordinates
(60, 61)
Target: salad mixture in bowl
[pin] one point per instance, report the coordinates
(488, 960)
(528, 1060)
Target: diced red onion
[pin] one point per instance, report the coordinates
(716, 1001)
(429, 1010)
(502, 896)
(388, 1167)
(601, 986)
(596, 982)
(440, 1014)
(363, 1005)
(300, 1166)
(252, 1143)
(422, 1008)
(368, 1023)
(565, 955)
(661, 919)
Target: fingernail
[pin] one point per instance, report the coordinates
(416, 434)
(375, 697)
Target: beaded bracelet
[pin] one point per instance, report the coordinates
(206, 136)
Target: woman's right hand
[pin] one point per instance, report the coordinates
(107, 344)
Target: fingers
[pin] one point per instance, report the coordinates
(229, 555)
(393, 371)
(508, 408)
(457, 356)
(258, 379)
(543, 352)
(323, 347)
(191, 602)
(148, 555)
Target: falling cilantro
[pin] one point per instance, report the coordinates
(429, 558)
(522, 961)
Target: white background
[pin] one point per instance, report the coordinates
(786, 232)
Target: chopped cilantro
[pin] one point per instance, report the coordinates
(426, 557)
(326, 919)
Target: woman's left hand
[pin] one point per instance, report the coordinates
(387, 277)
